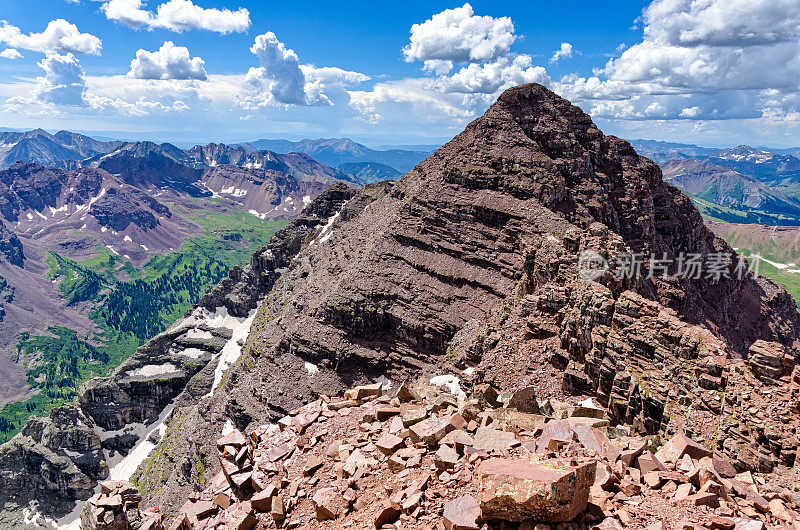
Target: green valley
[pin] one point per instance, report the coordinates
(128, 305)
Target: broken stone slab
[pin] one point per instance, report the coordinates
(364, 391)
(433, 429)
(524, 400)
(389, 443)
(462, 513)
(445, 458)
(681, 445)
(234, 438)
(548, 491)
(488, 439)
(327, 503)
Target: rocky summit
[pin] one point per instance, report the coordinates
(547, 396)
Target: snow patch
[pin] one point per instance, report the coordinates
(150, 370)
(195, 333)
(232, 350)
(451, 383)
(126, 467)
(306, 200)
(312, 369)
(227, 428)
(128, 239)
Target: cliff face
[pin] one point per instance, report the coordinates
(58, 460)
(486, 232)
(468, 265)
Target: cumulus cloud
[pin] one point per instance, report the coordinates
(489, 78)
(282, 80)
(280, 73)
(11, 54)
(468, 62)
(564, 52)
(177, 15)
(63, 82)
(409, 100)
(168, 62)
(713, 60)
(59, 36)
(459, 36)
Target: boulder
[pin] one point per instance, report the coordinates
(549, 491)
(462, 513)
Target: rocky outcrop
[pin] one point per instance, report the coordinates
(11, 247)
(118, 208)
(354, 461)
(116, 507)
(59, 459)
(472, 259)
(61, 454)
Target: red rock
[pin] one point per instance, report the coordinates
(364, 391)
(433, 429)
(704, 499)
(681, 445)
(547, 491)
(313, 463)
(462, 513)
(389, 443)
(647, 463)
(524, 400)
(388, 513)
(445, 458)
(326, 503)
(384, 412)
(488, 439)
(262, 501)
(235, 439)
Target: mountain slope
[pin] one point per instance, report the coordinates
(337, 151)
(661, 152)
(418, 279)
(367, 172)
(728, 188)
(772, 168)
(41, 147)
(467, 267)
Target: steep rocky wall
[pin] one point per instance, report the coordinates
(59, 459)
(406, 283)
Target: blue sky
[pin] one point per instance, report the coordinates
(713, 73)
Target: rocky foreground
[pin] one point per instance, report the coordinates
(425, 457)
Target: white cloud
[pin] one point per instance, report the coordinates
(279, 75)
(127, 12)
(409, 100)
(564, 52)
(710, 59)
(282, 80)
(169, 62)
(459, 36)
(178, 16)
(479, 47)
(63, 82)
(60, 36)
(490, 78)
(11, 54)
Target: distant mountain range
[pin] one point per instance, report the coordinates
(68, 150)
(82, 222)
(337, 151)
(742, 184)
(49, 149)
